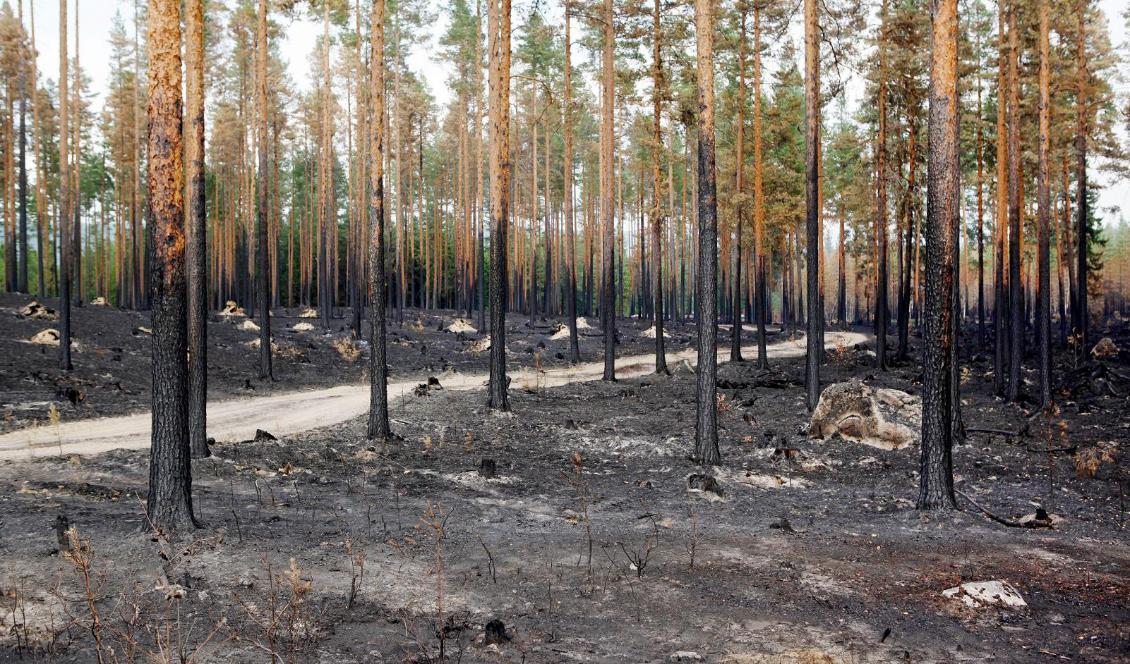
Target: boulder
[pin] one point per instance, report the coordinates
(650, 333)
(886, 419)
(98, 302)
(978, 594)
(248, 326)
(302, 327)
(460, 326)
(482, 345)
(48, 337)
(38, 311)
(232, 309)
(1105, 349)
(308, 313)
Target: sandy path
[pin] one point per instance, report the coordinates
(286, 414)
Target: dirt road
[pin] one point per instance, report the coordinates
(286, 414)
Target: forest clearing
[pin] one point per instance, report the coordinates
(564, 331)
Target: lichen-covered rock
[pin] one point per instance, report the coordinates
(884, 418)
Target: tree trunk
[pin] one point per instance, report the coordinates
(656, 188)
(1043, 303)
(498, 20)
(762, 266)
(1000, 306)
(567, 188)
(607, 180)
(739, 189)
(881, 287)
(1081, 320)
(169, 506)
(262, 281)
(942, 207)
(66, 256)
(378, 426)
(1015, 301)
(812, 199)
(196, 245)
(706, 423)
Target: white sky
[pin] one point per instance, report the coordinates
(95, 19)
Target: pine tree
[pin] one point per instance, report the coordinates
(378, 427)
(935, 489)
(706, 423)
(196, 245)
(169, 506)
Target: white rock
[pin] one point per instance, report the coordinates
(249, 326)
(302, 327)
(685, 656)
(987, 593)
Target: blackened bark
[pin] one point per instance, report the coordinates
(263, 267)
(1043, 303)
(942, 206)
(169, 504)
(197, 240)
(812, 199)
(1015, 297)
(378, 426)
(498, 20)
(607, 202)
(706, 374)
(882, 314)
(1081, 321)
(656, 212)
(66, 256)
(571, 248)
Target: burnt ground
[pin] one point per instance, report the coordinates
(430, 551)
(112, 369)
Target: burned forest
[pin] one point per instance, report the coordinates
(737, 331)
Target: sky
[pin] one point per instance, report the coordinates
(95, 19)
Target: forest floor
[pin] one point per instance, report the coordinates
(586, 543)
(112, 350)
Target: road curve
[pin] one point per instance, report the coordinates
(294, 412)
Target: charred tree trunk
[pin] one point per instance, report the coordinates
(1043, 303)
(706, 422)
(656, 191)
(1015, 297)
(762, 264)
(739, 189)
(378, 426)
(567, 187)
(812, 199)
(1079, 315)
(66, 256)
(942, 207)
(607, 202)
(169, 506)
(263, 282)
(498, 19)
(197, 237)
(881, 287)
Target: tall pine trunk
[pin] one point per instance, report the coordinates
(706, 375)
(262, 277)
(498, 27)
(378, 426)
(169, 505)
(607, 209)
(942, 208)
(881, 230)
(656, 188)
(1015, 301)
(812, 200)
(66, 256)
(197, 237)
(759, 247)
(1043, 303)
(567, 188)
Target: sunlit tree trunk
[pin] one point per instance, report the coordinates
(197, 238)
(169, 506)
(1043, 304)
(761, 264)
(66, 254)
(570, 249)
(607, 202)
(881, 287)
(1015, 301)
(657, 90)
(812, 198)
(378, 425)
(706, 374)
(498, 27)
(942, 208)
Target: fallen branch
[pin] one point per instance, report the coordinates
(999, 432)
(1001, 520)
